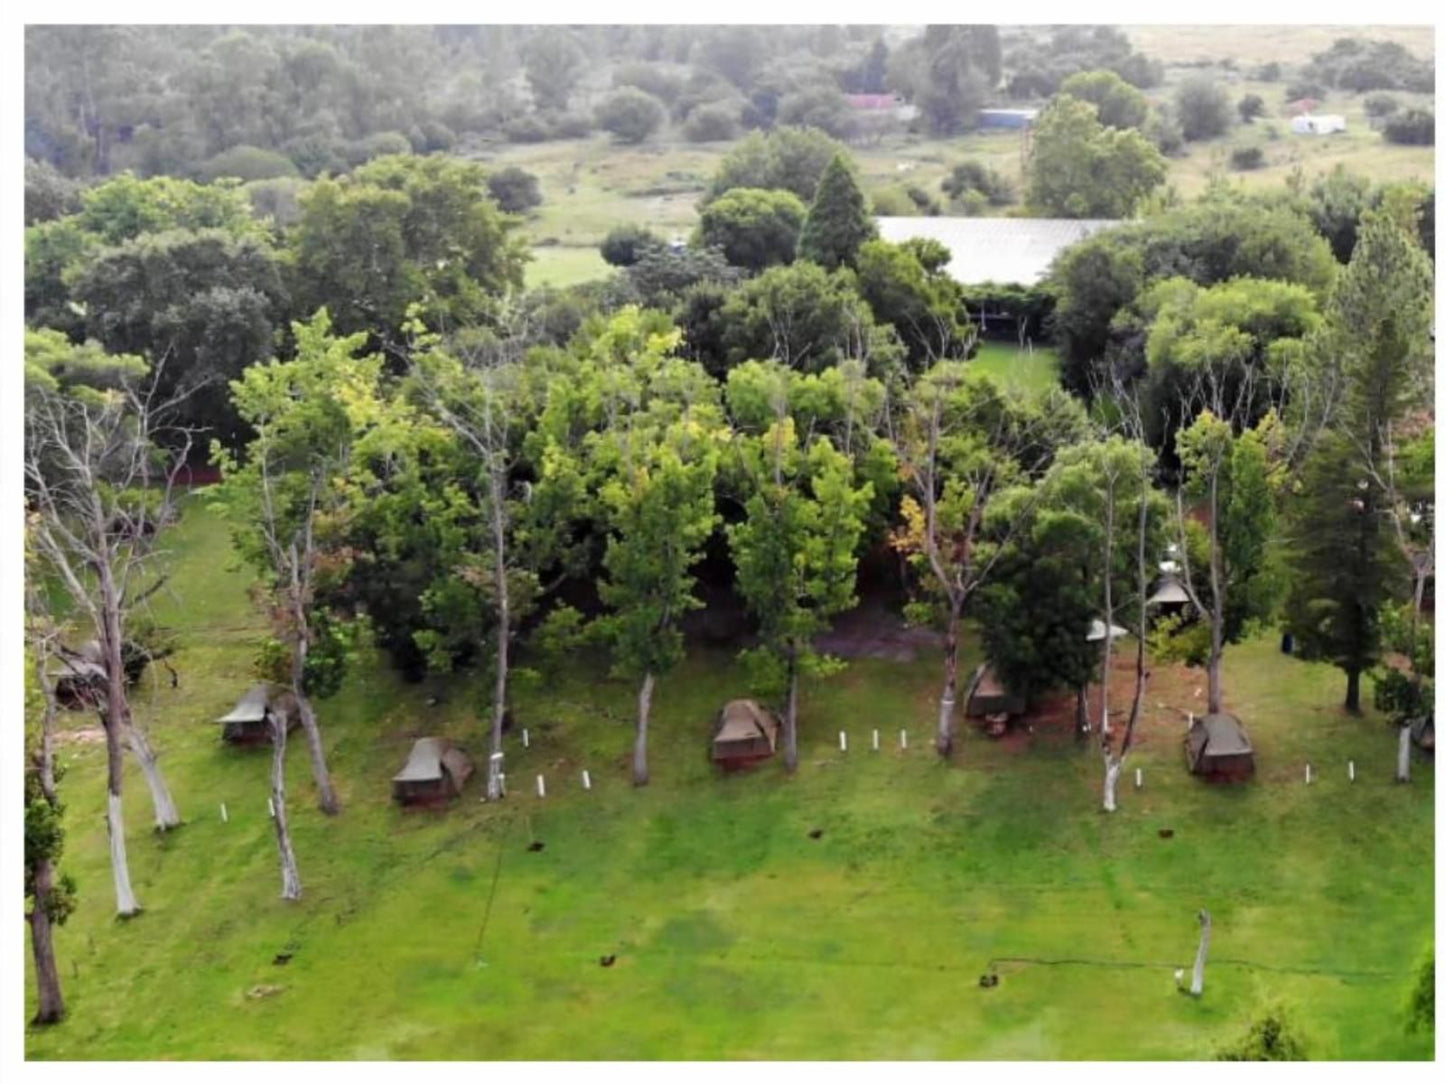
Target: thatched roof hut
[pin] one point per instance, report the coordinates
(1217, 747)
(435, 771)
(250, 720)
(745, 731)
(987, 695)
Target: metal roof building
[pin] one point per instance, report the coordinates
(1001, 250)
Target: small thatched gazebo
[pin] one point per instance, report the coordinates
(1217, 747)
(745, 732)
(987, 695)
(435, 772)
(1172, 595)
(249, 722)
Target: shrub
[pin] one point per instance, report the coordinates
(1420, 1011)
(631, 115)
(1163, 130)
(570, 126)
(1414, 127)
(276, 199)
(623, 246)
(1305, 88)
(893, 202)
(376, 146)
(528, 128)
(664, 81)
(1250, 106)
(247, 163)
(314, 155)
(1272, 1037)
(1203, 109)
(514, 189)
(1381, 105)
(1246, 158)
(979, 178)
(713, 123)
(1268, 73)
(435, 136)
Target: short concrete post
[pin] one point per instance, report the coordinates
(1352, 771)
(526, 739)
(903, 739)
(271, 807)
(224, 819)
(875, 741)
(1138, 778)
(1308, 780)
(586, 780)
(541, 787)
(842, 741)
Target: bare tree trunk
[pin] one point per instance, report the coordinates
(950, 685)
(326, 795)
(639, 749)
(51, 1009)
(1108, 609)
(290, 875)
(1352, 691)
(1113, 766)
(167, 816)
(790, 719)
(114, 719)
(504, 630)
(1081, 711)
(1216, 588)
(1196, 984)
(1402, 762)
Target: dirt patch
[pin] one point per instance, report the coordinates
(873, 632)
(82, 735)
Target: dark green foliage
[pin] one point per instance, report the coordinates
(331, 651)
(958, 67)
(247, 164)
(790, 158)
(1272, 1036)
(662, 81)
(631, 115)
(1164, 131)
(1358, 64)
(1250, 106)
(821, 106)
(1305, 87)
(1268, 72)
(1336, 202)
(716, 122)
(1000, 309)
(515, 190)
(624, 245)
(924, 305)
(1414, 127)
(1203, 109)
(974, 176)
(1119, 104)
(45, 842)
(1246, 158)
(1421, 1009)
(49, 194)
(838, 221)
(376, 146)
(661, 275)
(754, 228)
(1039, 65)
(1378, 106)
(554, 63)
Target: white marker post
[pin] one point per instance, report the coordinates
(586, 780)
(842, 741)
(875, 741)
(1138, 778)
(227, 820)
(271, 806)
(1352, 771)
(526, 739)
(1307, 775)
(541, 787)
(903, 739)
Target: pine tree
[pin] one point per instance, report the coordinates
(838, 222)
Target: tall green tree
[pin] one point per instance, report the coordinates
(1078, 168)
(1349, 538)
(1119, 104)
(754, 228)
(838, 221)
(796, 549)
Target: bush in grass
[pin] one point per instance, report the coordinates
(1250, 106)
(514, 189)
(528, 128)
(1414, 127)
(1272, 1036)
(1421, 1009)
(977, 177)
(631, 115)
(713, 123)
(1246, 158)
(1203, 109)
(624, 245)
(1268, 73)
(376, 146)
(1378, 106)
(570, 126)
(246, 163)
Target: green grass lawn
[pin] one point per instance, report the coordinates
(1033, 371)
(441, 935)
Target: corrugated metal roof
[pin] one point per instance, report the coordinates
(251, 708)
(1002, 250)
(1222, 733)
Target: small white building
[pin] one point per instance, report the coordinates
(1317, 124)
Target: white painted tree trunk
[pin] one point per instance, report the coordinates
(1196, 983)
(950, 686)
(290, 875)
(126, 904)
(167, 816)
(1112, 769)
(790, 718)
(639, 749)
(504, 633)
(1402, 762)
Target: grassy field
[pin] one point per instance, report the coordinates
(736, 934)
(1033, 371)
